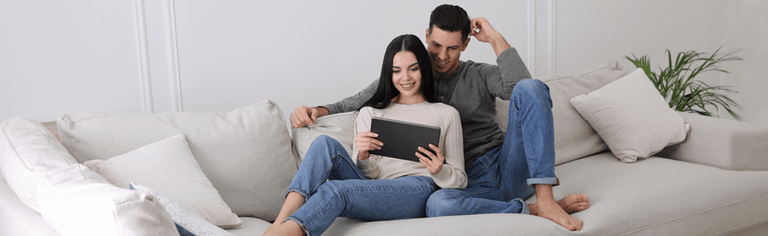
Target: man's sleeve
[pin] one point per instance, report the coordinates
(501, 79)
(353, 102)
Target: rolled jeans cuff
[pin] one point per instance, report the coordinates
(554, 181)
(525, 209)
(301, 223)
(298, 191)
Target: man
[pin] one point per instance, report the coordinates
(502, 169)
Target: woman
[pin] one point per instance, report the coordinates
(371, 187)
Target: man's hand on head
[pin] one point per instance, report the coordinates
(304, 115)
(484, 32)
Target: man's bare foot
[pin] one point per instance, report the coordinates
(574, 203)
(551, 210)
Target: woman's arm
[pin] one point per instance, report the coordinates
(452, 174)
(368, 167)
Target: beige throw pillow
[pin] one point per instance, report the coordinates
(245, 153)
(574, 138)
(632, 117)
(168, 165)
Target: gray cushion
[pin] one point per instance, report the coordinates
(246, 153)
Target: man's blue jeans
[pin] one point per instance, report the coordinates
(348, 193)
(501, 179)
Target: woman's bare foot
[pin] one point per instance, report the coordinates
(273, 228)
(288, 228)
(574, 203)
(551, 210)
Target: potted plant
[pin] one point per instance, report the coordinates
(677, 85)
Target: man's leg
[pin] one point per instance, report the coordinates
(482, 195)
(527, 158)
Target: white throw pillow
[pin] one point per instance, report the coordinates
(75, 200)
(245, 153)
(168, 165)
(28, 149)
(181, 215)
(632, 117)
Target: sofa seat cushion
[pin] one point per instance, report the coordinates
(251, 226)
(17, 219)
(660, 196)
(657, 196)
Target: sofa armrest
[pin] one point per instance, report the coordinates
(722, 143)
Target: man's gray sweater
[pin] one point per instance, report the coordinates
(472, 89)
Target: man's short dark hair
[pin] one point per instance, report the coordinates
(450, 18)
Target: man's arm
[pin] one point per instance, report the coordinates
(484, 32)
(304, 116)
(511, 69)
(353, 102)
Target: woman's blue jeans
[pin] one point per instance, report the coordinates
(333, 186)
(501, 179)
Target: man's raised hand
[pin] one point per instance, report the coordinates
(484, 32)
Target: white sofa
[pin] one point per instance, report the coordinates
(715, 182)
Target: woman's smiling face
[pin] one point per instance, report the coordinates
(406, 75)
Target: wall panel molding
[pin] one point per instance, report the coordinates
(552, 33)
(143, 49)
(532, 37)
(173, 56)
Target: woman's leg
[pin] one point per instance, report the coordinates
(325, 159)
(385, 199)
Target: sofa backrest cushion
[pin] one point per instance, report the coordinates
(337, 126)
(574, 137)
(246, 153)
(28, 149)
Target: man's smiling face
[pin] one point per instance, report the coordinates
(445, 49)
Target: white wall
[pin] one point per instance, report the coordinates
(166, 56)
(581, 34)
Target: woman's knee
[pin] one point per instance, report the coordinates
(325, 140)
(441, 203)
(330, 190)
(325, 144)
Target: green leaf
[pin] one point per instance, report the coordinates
(677, 83)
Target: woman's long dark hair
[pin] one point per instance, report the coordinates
(386, 89)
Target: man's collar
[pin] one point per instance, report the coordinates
(459, 68)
